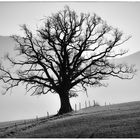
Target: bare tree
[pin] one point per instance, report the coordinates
(68, 53)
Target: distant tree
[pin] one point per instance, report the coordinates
(68, 53)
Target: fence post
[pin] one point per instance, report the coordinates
(89, 103)
(105, 103)
(79, 106)
(47, 114)
(85, 104)
(36, 119)
(15, 127)
(94, 103)
(75, 107)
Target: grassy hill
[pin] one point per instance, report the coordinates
(115, 121)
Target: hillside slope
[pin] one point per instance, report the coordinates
(113, 121)
(7, 44)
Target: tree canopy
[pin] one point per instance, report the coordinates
(69, 52)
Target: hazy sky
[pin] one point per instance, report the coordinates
(124, 15)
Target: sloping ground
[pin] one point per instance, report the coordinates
(120, 120)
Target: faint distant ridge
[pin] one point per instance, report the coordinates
(3, 36)
(131, 59)
(133, 56)
(7, 45)
(5, 39)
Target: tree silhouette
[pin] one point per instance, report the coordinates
(68, 53)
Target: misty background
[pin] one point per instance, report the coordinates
(124, 15)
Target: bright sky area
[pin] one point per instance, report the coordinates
(124, 15)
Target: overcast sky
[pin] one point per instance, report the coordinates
(124, 15)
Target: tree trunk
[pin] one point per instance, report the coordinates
(65, 106)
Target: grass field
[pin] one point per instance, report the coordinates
(112, 121)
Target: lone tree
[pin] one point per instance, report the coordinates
(69, 52)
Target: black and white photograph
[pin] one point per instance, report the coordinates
(69, 69)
